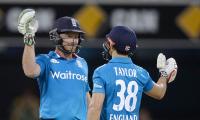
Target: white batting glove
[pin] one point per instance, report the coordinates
(27, 22)
(167, 68)
(161, 61)
(28, 25)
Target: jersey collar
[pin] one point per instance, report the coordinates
(53, 54)
(125, 60)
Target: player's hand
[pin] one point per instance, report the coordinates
(168, 68)
(27, 23)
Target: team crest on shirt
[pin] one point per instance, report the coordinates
(79, 64)
(54, 61)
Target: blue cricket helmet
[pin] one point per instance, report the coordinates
(67, 24)
(64, 25)
(124, 39)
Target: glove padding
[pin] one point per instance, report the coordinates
(27, 22)
(161, 61)
(168, 68)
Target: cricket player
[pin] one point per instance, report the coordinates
(119, 84)
(62, 75)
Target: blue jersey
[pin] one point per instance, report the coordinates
(123, 83)
(63, 85)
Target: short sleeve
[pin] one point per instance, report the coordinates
(85, 68)
(85, 65)
(149, 83)
(42, 61)
(98, 83)
(87, 88)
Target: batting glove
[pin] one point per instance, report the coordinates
(28, 25)
(167, 68)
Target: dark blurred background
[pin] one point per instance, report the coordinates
(168, 26)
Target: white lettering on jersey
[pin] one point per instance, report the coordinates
(125, 72)
(68, 75)
(54, 61)
(122, 117)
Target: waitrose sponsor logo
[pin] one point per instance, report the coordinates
(68, 75)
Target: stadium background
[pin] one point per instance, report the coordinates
(171, 27)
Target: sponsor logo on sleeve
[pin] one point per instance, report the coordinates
(97, 85)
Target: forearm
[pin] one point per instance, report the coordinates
(95, 106)
(93, 114)
(159, 89)
(28, 61)
(162, 83)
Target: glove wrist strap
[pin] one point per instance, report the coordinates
(164, 74)
(29, 39)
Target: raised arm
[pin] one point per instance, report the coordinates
(30, 67)
(27, 26)
(168, 69)
(159, 89)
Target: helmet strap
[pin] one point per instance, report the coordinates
(105, 54)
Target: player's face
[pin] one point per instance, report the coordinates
(70, 40)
